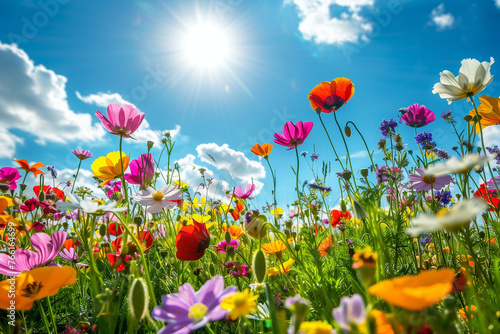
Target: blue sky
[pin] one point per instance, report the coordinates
(73, 58)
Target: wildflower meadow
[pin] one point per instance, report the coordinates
(411, 245)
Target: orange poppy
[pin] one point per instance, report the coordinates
(465, 312)
(234, 230)
(489, 110)
(263, 150)
(33, 168)
(235, 213)
(415, 292)
(274, 247)
(325, 246)
(331, 96)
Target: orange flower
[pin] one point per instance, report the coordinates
(33, 168)
(446, 249)
(383, 325)
(415, 292)
(263, 150)
(465, 312)
(325, 246)
(274, 247)
(234, 230)
(235, 212)
(331, 96)
(489, 110)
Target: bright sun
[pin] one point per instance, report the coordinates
(206, 46)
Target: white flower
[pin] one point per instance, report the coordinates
(472, 78)
(453, 219)
(457, 166)
(88, 205)
(157, 200)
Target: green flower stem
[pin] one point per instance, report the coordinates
(76, 176)
(122, 175)
(348, 156)
(330, 140)
(274, 192)
(52, 314)
(364, 142)
(44, 317)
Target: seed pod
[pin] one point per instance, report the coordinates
(259, 266)
(227, 237)
(347, 131)
(364, 172)
(102, 230)
(138, 299)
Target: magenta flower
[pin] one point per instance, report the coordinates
(8, 178)
(46, 247)
(223, 246)
(30, 205)
(418, 116)
(82, 154)
(249, 188)
(142, 170)
(293, 135)
(189, 310)
(69, 255)
(123, 120)
(420, 181)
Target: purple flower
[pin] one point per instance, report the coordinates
(425, 239)
(417, 116)
(493, 150)
(319, 187)
(142, 170)
(8, 177)
(388, 127)
(441, 153)
(82, 154)
(293, 135)
(47, 247)
(121, 120)
(350, 312)
(189, 310)
(52, 171)
(424, 139)
(249, 188)
(70, 254)
(304, 154)
(420, 181)
(314, 156)
(447, 117)
(443, 196)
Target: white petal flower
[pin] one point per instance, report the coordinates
(88, 205)
(457, 166)
(473, 77)
(453, 219)
(157, 200)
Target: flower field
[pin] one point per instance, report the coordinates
(411, 246)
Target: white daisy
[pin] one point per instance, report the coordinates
(457, 166)
(159, 199)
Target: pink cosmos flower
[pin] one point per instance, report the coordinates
(249, 188)
(123, 120)
(293, 135)
(8, 177)
(46, 247)
(422, 182)
(223, 246)
(418, 116)
(142, 170)
(81, 153)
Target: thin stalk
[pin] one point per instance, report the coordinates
(76, 176)
(348, 156)
(122, 175)
(330, 140)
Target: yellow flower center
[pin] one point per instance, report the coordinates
(429, 179)
(442, 212)
(239, 300)
(197, 311)
(32, 289)
(158, 196)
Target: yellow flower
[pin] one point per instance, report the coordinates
(234, 230)
(181, 184)
(274, 247)
(415, 292)
(109, 167)
(273, 271)
(315, 327)
(278, 211)
(34, 285)
(489, 110)
(241, 303)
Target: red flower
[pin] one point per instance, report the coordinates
(237, 210)
(146, 242)
(338, 216)
(115, 229)
(460, 282)
(30, 205)
(331, 96)
(48, 190)
(113, 258)
(489, 196)
(192, 241)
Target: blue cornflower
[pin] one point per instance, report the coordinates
(424, 139)
(443, 196)
(304, 153)
(52, 171)
(388, 127)
(495, 149)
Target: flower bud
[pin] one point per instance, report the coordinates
(364, 172)
(347, 131)
(150, 144)
(138, 299)
(259, 266)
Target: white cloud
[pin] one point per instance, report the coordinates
(441, 19)
(231, 168)
(317, 23)
(144, 133)
(33, 99)
(9, 142)
(497, 3)
(491, 136)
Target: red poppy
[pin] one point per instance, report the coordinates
(192, 241)
(48, 190)
(114, 258)
(37, 227)
(146, 242)
(489, 196)
(115, 229)
(30, 205)
(338, 216)
(236, 211)
(460, 281)
(331, 96)
(178, 201)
